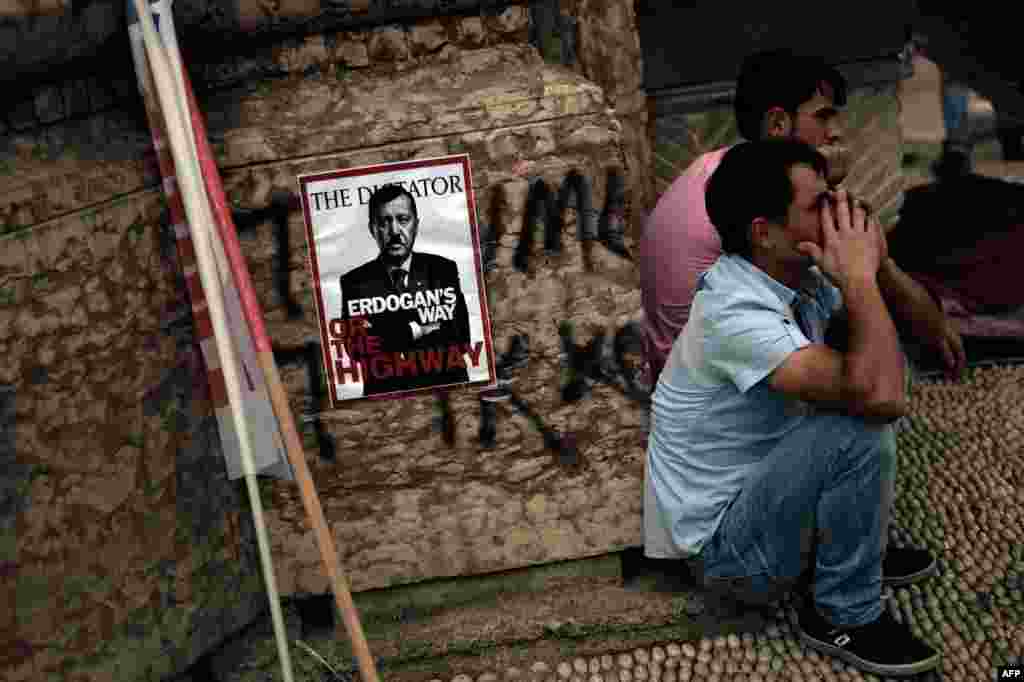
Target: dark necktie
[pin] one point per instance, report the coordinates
(399, 275)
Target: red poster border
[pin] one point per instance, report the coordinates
(462, 159)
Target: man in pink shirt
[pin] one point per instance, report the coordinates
(678, 244)
(778, 94)
(783, 95)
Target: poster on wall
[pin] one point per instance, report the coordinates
(397, 277)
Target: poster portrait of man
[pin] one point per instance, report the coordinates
(396, 265)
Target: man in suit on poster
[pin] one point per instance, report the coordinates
(417, 319)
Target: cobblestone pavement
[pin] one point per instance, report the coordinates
(958, 494)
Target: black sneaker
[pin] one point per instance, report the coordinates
(905, 565)
(883, 647)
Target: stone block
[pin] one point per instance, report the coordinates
(70, 166)
(388, 44)
(471, 32)
(481, 89)
(351, 50)
(511, 21)
(58, 247)
(427, 37)
(309, 52)
(229, 592)
(525, 303)
(409, 506)
(14, 264)
(111, 482)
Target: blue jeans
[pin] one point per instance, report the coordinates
(826, 474)
(887, 455)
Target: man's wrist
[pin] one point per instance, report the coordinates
(857, 283)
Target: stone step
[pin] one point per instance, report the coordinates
(579, 609)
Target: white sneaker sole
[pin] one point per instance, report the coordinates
(931, 570)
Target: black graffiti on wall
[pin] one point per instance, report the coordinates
(601, 360)
(545, 213)
(308, 355)
(276, 214)
(562, 445)
(614, 362)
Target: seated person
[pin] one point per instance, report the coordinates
(759, 430)
(779, 94)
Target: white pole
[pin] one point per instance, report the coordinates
(200, 219)
(169, 38)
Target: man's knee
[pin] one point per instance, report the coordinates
(843, 442)
(851, 433)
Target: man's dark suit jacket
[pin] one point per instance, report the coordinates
(427, 271)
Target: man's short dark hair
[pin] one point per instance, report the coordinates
(385, 194)
(752, 181)
(780, 78)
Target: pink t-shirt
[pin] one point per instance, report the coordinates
(678, 244)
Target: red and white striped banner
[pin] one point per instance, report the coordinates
(269, 456)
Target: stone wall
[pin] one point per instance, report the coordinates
(127, 553)
(77, 145)
(50, 135)
(402, 503)
(120, 514)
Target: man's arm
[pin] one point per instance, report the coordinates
(874, 364)
(913, 309)
(456, 330)
(461, 331)
(868, 380)
(390, 329)
(917, 315)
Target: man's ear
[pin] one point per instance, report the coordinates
(776, 123)
(761, 234)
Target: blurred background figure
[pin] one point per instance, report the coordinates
(955, 96)
(969, 119)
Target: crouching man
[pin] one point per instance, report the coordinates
(760, 432)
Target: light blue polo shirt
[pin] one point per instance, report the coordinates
(711, 416)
